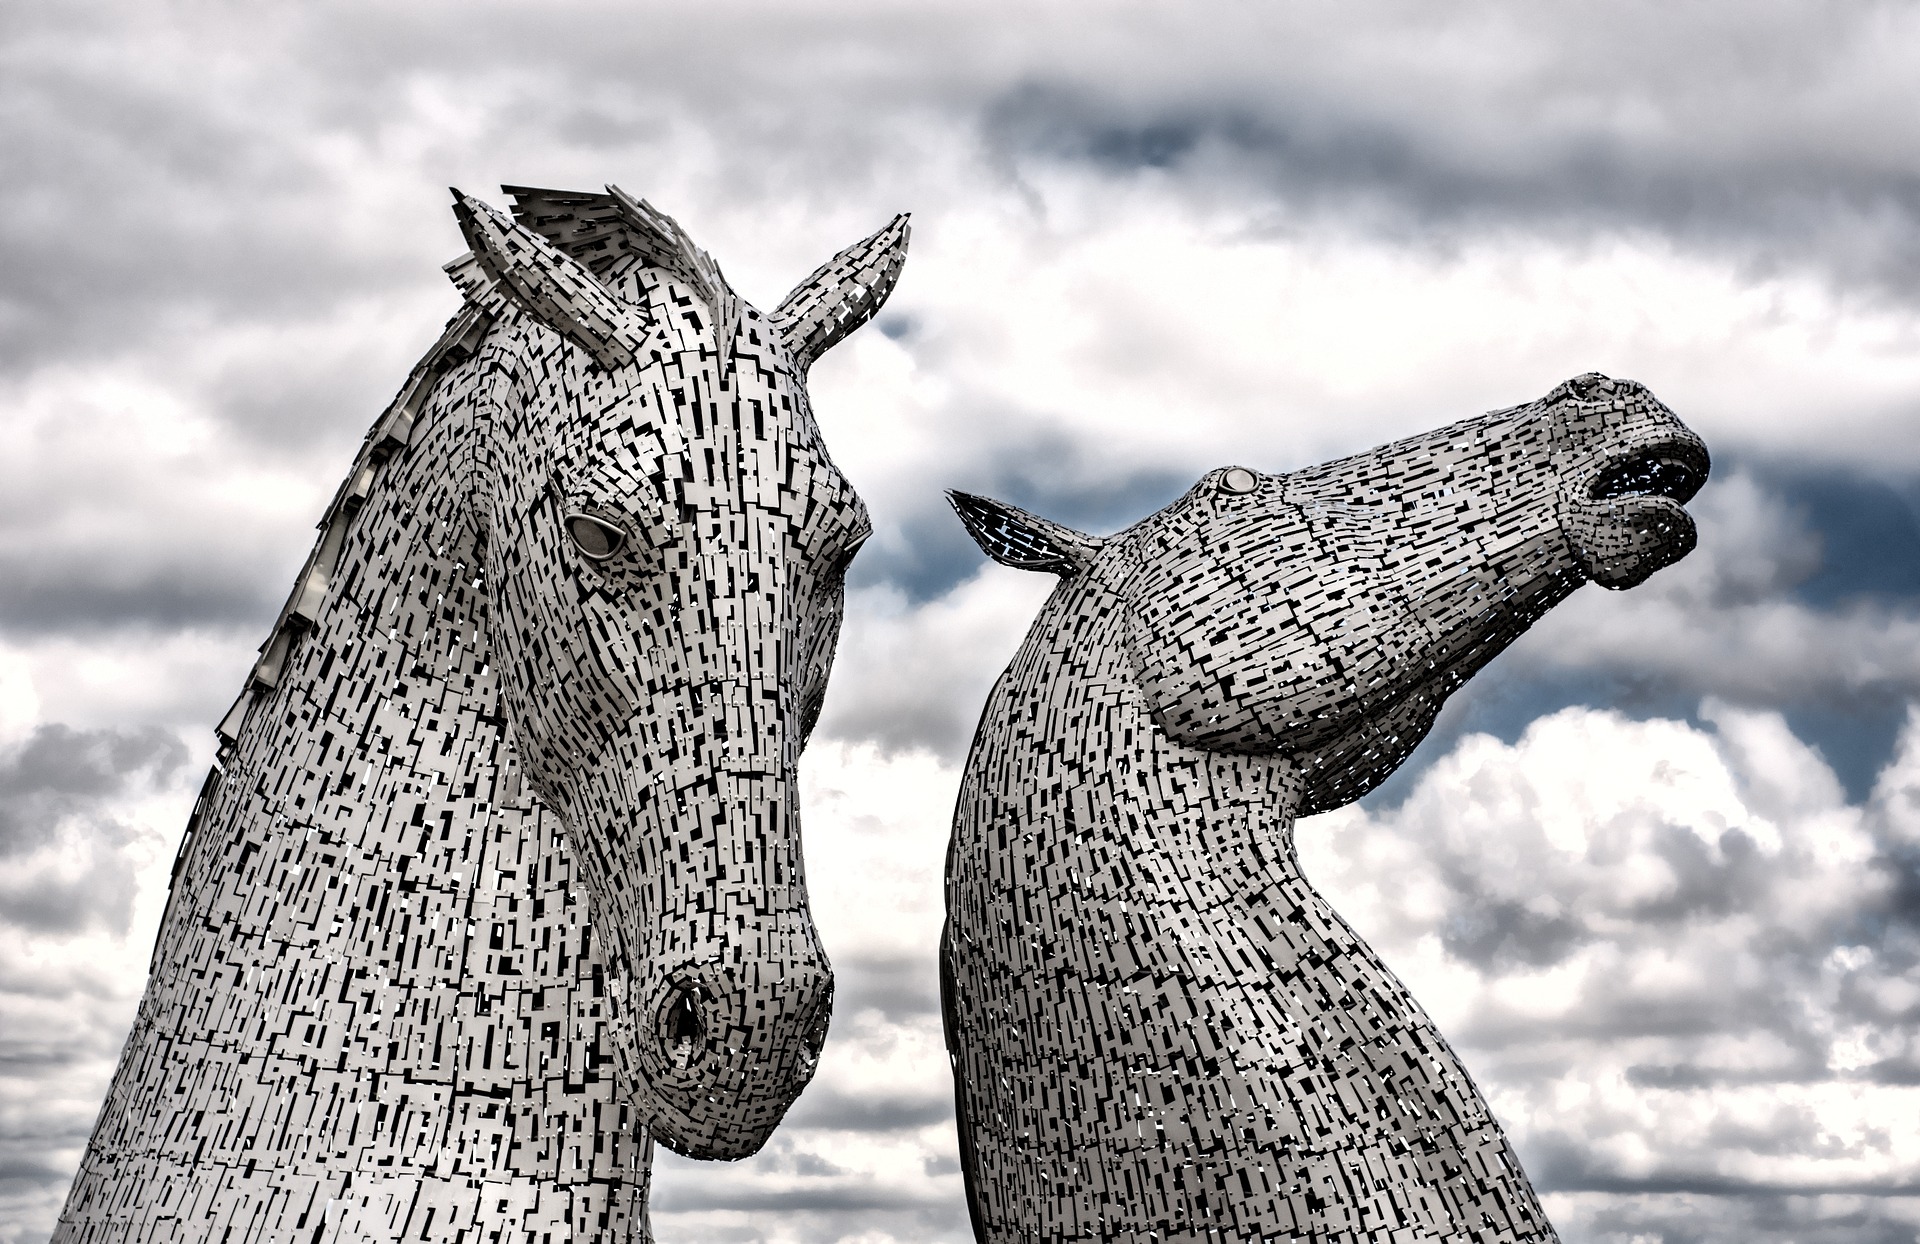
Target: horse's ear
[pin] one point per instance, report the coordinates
(842, 294)
(553, 288)
(1013, 537)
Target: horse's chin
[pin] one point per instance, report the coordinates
(1620, 541)
(690, 1138)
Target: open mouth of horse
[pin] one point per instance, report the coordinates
(1674, 469)
(1629, 520)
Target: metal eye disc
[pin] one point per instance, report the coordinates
(595, 537)
(1239, 479)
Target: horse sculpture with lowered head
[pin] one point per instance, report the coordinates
(1159, 1030)
(498, 876)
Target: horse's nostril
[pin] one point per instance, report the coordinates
(684, 1031)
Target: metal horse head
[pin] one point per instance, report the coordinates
(1327, 613)
(666, 540)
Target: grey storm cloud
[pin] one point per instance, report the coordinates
(48, 593)
(869, 1111)
(97, 539)
(1770, 208)
(58, 782)
(784, 1201)
(896, 986)
(59, 772)
(195, 143)
(1817, 1216)
(100, 897)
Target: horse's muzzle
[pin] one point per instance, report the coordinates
(723, 1049)
(1627, 518)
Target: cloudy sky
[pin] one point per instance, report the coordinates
(1657, 871)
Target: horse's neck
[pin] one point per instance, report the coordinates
(374, 970)
(1084, 744)
(1133, 910)
(383, 715)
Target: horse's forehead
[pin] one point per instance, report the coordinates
(745, 441)
(1509, 452)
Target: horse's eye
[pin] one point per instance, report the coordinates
(595, 537)
(1239, 479)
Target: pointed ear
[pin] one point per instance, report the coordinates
(1013, 537)
(553, 288)
(842, 294)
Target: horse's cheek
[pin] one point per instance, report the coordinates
(1181, 683)
(557, 694)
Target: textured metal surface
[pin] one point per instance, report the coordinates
(1159, 1031)
(498, 877)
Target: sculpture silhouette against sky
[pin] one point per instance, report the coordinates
(1159, 1031)
(498, 876)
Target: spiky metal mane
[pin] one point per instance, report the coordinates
(392, 431)
(599, 229)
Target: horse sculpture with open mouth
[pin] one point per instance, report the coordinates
(498, 877)
(1159, 1030)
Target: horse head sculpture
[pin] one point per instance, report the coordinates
(1158, 1028)
(667, 540)
(1345, 602)
(498, 875)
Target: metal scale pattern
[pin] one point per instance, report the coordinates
(1159, 1030)
(497, 879)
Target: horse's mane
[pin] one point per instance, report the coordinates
(390, 432)
(600, 231)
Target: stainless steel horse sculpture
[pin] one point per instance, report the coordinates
(1159, 1030)
(498, 876)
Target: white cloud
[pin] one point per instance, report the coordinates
(1896, 796)
(911, 676)
(1672, 955)
(1136, 333)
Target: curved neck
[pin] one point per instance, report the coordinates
(1067, 748)
(1128, 913)
(382, 715)
(1076, 703)
(375, 968)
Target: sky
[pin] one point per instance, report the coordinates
(1656, 873)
